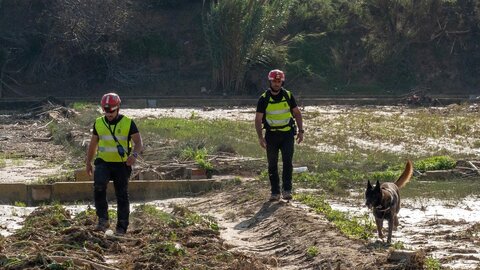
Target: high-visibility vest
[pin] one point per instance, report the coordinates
(107, 146)
(278, 114)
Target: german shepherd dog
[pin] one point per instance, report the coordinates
(384, 200)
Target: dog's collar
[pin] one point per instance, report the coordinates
(379, 208)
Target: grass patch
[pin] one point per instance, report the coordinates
(199, 156)
(358, 227)
(348, 167)
(83, 106)
(239, 136)
(435, 163)
(444, 190)
(312, 251)
(20, 204)
(60, 177)
(398, 245)
(156, 213)
(53, 218)
(432, 264)
(385, 176)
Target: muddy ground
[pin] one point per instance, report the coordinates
(254, 234)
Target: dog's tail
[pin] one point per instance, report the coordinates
(406, 175)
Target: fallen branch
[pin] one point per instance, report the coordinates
(83, 262)
(474, 167)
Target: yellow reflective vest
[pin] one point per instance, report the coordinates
(107, 146)
(278, 114)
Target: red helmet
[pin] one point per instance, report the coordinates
(276, 74)
(110, 102)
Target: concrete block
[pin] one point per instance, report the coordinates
(39, 193)
(13, 192)
(83, 191)
(81, 176)
(195, 173)
(78, 191)
(198, 173)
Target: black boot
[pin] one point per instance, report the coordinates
(121, 227)
(102, 226)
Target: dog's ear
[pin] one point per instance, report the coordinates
(369, 186)
(377, 185)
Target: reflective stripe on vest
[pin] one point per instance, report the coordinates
(278, 114)
(107, 147)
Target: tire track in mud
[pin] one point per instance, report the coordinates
(281, 233)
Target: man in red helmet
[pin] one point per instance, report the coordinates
(111, 144)
(276, 110)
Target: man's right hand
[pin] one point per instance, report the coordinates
(89, 169)
(263, 142)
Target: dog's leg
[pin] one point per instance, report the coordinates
(395, 222)
(390, 228)
(379, 222)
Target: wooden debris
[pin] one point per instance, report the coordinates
(82, 262)
(411, 259)
(42, 139)
(474, 167)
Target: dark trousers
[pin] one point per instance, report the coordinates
(119, 172)
(283, 142)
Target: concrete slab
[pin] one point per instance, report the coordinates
(81, 175)
(140, 190)
(13, 192)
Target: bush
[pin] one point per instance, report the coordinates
(435, 163)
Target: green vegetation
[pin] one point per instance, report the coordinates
(156, 45)
(20, 204)
(435, 163)
(247, 24)
(445, 189)
(398, 245)
(200, 133)
(67, 176)
(199, 155)
(54, 218)
(181, 240)
(82, 106)
(325, 46)
(360, 227)
(312, 251)
(154, 212)
(432, 264)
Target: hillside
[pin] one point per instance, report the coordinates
(164, 47)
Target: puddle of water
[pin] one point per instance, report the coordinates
(445, 190)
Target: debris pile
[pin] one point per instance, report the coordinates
(463, 169)
(52, 239)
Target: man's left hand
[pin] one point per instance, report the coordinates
(131, 160)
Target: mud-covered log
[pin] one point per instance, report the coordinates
(412, 259)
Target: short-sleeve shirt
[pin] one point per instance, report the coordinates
(263, 102)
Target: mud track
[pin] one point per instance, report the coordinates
(281, 232)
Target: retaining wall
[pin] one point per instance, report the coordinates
(201, 101)
(34, 194)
